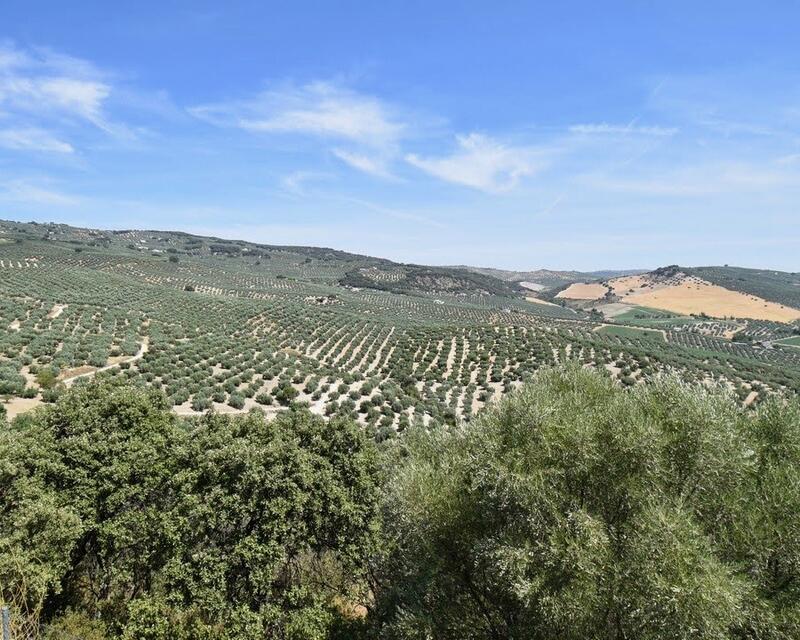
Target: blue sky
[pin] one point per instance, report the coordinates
(512, 134)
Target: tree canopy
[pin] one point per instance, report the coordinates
(235, 527)
(577, 509)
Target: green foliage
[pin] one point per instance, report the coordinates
(46, 377)
(74, 626)
(777, 286)
(579, 510)
(11, 382)
(115, 510)
(414, 278)
(285, 393)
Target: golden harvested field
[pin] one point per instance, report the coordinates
(702, 297)
(622, 286)
(583, 291)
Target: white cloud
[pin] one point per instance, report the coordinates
(482, 163)
(11, 57)
(320, 110)
(316, 109)
(616, 129)
(373, 165)
(745, 102)
(82, 97)
(41, 83)
(33, 139)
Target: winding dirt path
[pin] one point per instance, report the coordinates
(144, 348)
(16, 406)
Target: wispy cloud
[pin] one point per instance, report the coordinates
(41, 83)
(27, 192)
(33, 139)
(375, 165)
(604, 128)
(323, 110)
(740, 103)
(482, 163)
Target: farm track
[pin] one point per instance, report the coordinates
(143, 349)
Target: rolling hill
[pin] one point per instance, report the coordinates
(719, 292)
(234, 325)
(549, 279)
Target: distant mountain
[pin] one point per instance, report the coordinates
(551, 279)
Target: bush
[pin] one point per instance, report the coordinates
(201, 402)
(11, 382)
(75, 626)
(284, 393)
(264, 398)
(236, 400)
(46, 377)
(51, 395)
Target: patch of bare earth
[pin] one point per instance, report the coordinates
(583, 291)
(697, 296)
(614, 309)
(56, 311)
(532, 286)
(16, 406)
(626, 284)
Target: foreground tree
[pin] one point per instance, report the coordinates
(85, 501)
(577, 509)
(118, 518)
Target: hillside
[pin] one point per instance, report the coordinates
(233, 325)
(345, 268)
(755, 296)
(776, 286)
(549, 279)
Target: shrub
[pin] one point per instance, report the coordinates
(236, 400)
(46, 377)
(578, 509)
(284, 393)
(11, 382)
